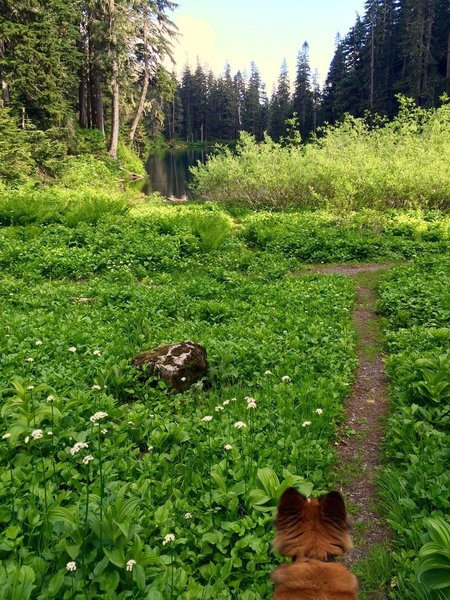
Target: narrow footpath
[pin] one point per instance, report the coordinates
(361, 433)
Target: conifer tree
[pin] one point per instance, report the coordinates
(280, 105)
(303, 97)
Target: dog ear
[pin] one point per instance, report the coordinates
(290, 507)
(332, 508)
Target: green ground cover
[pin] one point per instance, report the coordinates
(415, 301)
(78, 301)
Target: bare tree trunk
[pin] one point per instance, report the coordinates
(115, 117)
(140, 108)
(4, 99)
(372, 67)
(448, 65)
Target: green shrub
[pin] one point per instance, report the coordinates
(403, 163)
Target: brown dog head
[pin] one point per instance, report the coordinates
(311, 528)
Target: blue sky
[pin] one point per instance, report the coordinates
(239, 31)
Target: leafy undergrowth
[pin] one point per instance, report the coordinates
(415, 483)
(114, 488)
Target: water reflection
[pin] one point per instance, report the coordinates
(168, 172)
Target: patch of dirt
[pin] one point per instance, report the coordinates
(361, 433)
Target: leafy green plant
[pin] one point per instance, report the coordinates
(433, 568)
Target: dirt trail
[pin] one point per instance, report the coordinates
(360, 437)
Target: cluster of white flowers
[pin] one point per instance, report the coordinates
(36, 434)
(130, 564)
(30, 387)
(286, 378)
(251, 402)
(87, 459)
(97, 353)
(207, 418)
(226, 402)
(98, 416)
(187, 515)
(228, 447)
(240, 424)
(96, 386)
(29, 359)
(38, 342)
(169, 538)
(219, 408)
(77, 447)
(50, 398)
(318, 411)
(71, 566)
(5, 436)
(267, 373)
(306, 423)
(72, 349)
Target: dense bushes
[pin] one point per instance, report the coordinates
(403, 163)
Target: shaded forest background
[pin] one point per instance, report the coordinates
(397, 46)
(81, 76)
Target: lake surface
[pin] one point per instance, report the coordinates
(168, 172)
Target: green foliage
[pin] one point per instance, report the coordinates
(401, 164)
(158, 468)
(416, 480)
(433, 569)
(15, 150)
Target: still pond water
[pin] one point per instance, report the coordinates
(168, 172)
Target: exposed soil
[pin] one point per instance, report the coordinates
(361, 433)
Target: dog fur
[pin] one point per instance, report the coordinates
(313, 532)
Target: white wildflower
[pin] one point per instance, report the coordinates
(130, 422)
(187, 515)
(29, 359)
(228, 447)
(169, 538)
(251, 404)
(226, 402)
(27, 439)
(30, 387)
(5, 436)
(97, 353)
(98, 416)
(38, 343)
(36, 434)
(207, 418)
(50, 398)
(249, 399)
(286, 378)
(72, 349)
(318, 411)
(87, 459)
(71, 566)
(104, 431)
(183, 379)
(240, 424)
(219, 407)
(50, 433)
(306, 423)
(96, 386)
(150, 448)
(77, 447)
(267, 373)
(130, 564)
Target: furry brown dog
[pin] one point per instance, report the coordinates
(313, 532)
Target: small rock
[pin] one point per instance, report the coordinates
(180, 365)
